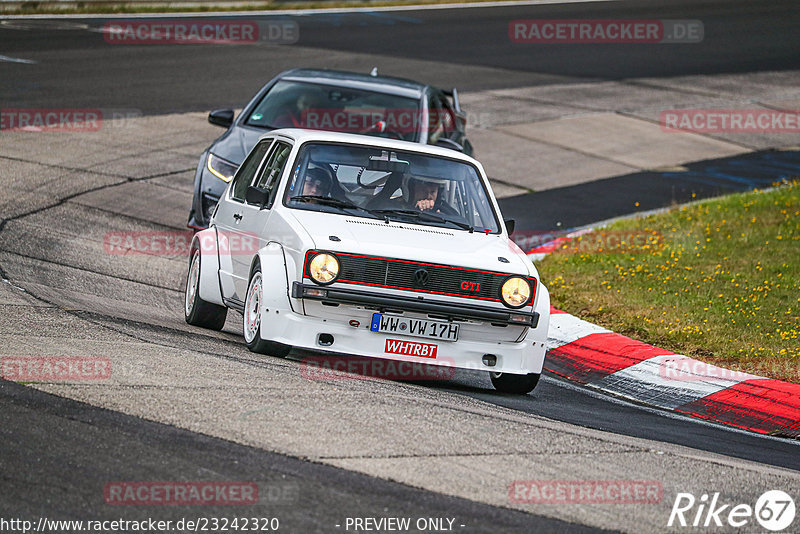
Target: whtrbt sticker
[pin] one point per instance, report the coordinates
(410, 348)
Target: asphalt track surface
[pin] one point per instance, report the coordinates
(78, 69)
(76, 470)
(648, 190)
(468, 48)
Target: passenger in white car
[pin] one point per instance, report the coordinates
(317, 182)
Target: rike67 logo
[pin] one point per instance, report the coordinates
(774, 510)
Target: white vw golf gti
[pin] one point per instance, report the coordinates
(370, 247)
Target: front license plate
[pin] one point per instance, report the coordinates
(414, 327)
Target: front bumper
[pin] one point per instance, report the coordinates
(207, 191)
(200, 217)
(354, 338)
(446, 310)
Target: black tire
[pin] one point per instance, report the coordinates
(251, 325)
(197, 311)
(517, 384)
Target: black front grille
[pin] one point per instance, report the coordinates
(423, 277)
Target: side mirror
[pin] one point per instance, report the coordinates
(510, 225)
(221, 117)
(256, 195)
(449, 143)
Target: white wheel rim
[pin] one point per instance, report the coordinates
(191, 283)
(252, 309)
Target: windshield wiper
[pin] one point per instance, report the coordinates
(330, 201)
(423, 216)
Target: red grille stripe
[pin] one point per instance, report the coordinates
(532, 281)
(416, 289)
(427, 264)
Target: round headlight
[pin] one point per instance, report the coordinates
(324, 268)
(515, 291)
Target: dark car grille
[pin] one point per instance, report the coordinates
(209, 203)
(418, 276)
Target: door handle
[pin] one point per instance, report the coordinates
(237, 216)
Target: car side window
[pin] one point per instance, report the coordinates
(448, 119)
(434, 117)
(246, 173)
(273, 168)
(447, 122)
(441, 123)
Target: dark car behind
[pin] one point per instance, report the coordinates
(327, 100)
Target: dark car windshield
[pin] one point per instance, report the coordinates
(378, 183)
(313, 106)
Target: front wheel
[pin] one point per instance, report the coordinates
(197, 311)
(253, 318)
(517, 384)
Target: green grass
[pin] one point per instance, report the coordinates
(718, 281)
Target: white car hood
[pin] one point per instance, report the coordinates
(415, 242)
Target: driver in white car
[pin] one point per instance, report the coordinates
(425, 194)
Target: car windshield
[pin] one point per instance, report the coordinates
(321, 107)
(387, 184)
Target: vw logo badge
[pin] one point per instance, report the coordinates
(421, 277)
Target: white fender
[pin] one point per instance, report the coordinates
(537, 337)
(275, 289)
(543, 307)
(206, 242)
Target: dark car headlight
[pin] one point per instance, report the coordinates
(221, 168)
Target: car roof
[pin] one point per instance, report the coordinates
(355, 80)
(301, 136)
